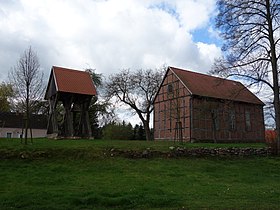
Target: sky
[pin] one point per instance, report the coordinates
(109, 35)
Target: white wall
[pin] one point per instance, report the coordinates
(15, 132)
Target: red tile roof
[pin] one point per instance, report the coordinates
(214, 87)
(70, 81)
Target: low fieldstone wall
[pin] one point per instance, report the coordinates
(172, 152)
(191, 152)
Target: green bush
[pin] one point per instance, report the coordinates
(120, 131)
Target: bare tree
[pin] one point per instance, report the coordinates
(137, 90)
(101, 110)
(251, 31)
(27, 81)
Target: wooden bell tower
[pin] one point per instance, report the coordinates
(73, 90)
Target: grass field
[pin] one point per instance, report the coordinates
(98, 145)
(99, 182)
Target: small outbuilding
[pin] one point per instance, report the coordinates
(72, 91)
(12, 125)
(195, 107)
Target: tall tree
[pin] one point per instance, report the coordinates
(120, 131)
(6, 93)
(27, 81)
(137, 90)
(99, 109)
(250, 29)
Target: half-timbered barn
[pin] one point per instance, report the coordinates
(69, 90)
(195, 107)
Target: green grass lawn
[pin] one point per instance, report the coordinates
(121, 183)
(106, 144)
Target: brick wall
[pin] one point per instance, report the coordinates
(204, 119)
(172, 105)
(226, 121)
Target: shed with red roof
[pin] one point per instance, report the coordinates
(195, 107)
(73, 89)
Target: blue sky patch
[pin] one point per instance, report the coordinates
(203, 35)
(167, 8)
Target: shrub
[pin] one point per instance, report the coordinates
(270, 136)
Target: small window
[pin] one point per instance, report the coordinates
(247, 120)
(232, 124)
(9, 135)
(215, 119)
(169, 88)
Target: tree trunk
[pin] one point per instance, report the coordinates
(275, 75)
(26, 130)
(31, 134)
(146, 125)
(147, 131)
(27, 114)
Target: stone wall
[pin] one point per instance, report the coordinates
(173, 152)
(191, 152)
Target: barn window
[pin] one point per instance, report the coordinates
(247, 120)
(165, 110)
(170, 116)
(215, 119)
(159, 116)
(164, 117)
(232, 124)
(169, 88)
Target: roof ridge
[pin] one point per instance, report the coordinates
(216, 87)
(207, 75)
(68, 69)
(69, 81)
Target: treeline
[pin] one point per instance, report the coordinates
(120, 131)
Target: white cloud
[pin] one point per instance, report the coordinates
(106, 34)
(208, 53)
(195, 14)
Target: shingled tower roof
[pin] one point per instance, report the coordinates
(215, 87)
(69, 81)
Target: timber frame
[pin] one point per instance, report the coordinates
(69, 94)
(194, 107)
